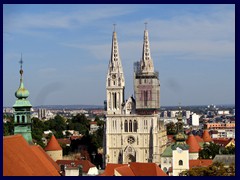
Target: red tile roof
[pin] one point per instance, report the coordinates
(146, 169)
(64, 141)
(53, 145)
(193, 144)
(74, 163)
(45, 158)
(125, 171)
(206, 137)
(200, 163)
(134, 169)
(22, 159)
(109, 170)
(199, 139)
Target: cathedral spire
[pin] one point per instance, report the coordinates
(146, 61)
(115, 82)
(115, 65)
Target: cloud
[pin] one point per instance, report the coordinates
(24, 21)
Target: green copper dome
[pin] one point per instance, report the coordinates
(22, 92)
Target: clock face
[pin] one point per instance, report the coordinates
(113, 76)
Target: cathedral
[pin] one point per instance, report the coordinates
(134, 131)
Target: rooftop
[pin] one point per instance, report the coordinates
(32, 159)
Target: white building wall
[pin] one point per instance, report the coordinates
(166, 163)
(195, 119)
(55, 155)
(72, 172)
(182, 155)
(93, 171)
(193, 156)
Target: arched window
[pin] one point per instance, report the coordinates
(119, 82)
(180, 162)
(126, 126)
(115, 100)
(130, 126)
(134, 126)
(109, 81)
(18, 119)
(23, 119)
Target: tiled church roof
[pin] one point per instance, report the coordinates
(22, 159)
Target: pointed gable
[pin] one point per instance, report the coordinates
(206, 136)
(53, 145)
(193, 144)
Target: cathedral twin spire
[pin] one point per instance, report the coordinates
(146, 63)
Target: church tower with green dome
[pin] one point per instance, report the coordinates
(22, 108)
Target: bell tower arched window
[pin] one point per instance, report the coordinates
(180, 162)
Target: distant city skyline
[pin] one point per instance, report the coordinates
(66, 51)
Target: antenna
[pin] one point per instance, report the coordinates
(114, 26)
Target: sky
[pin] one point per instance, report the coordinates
(66, 49)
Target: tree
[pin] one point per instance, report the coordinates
(171, 128)
(215, 169)
(209, 151)
(37, 130)
(8, 128)
(229, 150)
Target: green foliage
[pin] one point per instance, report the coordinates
(229, 150)
(171, 128)
(209, 151)
(37, 130)
(79, 123)
(216, 169)
(8, 128)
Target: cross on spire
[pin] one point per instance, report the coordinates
(114, 26)
(21, 61)
(145, 25)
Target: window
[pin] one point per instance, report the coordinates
(18, 119)
(131, 140)
(180, 162)
(23, 119)
(134, 126)
(126, 126)
(130, 126)
(115, 99)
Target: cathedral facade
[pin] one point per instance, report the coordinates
(133, 131)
